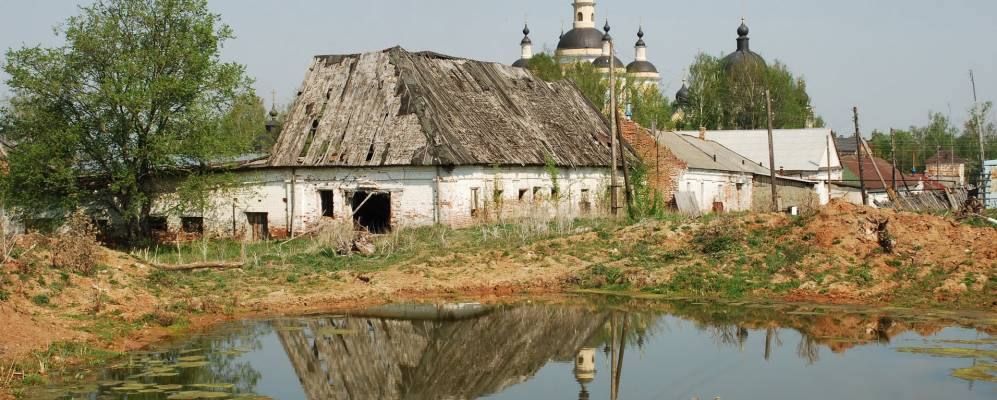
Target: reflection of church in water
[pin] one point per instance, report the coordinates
(426, 354)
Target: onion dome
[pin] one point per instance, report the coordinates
(640, 64)
(682, 96)
(271, 124)
(527, 49)
(603, 62)
(743, 58)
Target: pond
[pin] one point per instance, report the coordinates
(574, 348)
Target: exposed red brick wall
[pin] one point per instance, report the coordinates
(663, 169)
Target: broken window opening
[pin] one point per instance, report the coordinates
(158, 224)
(475, 208)
(326, 197)
(192, 225)
(522, 194)
(259, 226)
(584, 203)
(537, 193)
(372, 211)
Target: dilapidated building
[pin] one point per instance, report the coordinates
(947, 168)
(396, 138)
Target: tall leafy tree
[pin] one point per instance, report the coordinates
(138, 90)
(722, 98)
(646, 102)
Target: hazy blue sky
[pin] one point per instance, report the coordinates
(896, 60)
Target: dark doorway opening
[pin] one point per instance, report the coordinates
(326, 197)
(259, 227)
(372, 210)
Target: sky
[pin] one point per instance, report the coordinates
(896, 60)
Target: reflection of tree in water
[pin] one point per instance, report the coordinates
(359, 357)
(222, 350)
(838, 330)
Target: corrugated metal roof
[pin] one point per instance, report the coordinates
(795, 149)
(699, 154)
(394, 107)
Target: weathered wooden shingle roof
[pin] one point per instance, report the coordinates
(394, 107)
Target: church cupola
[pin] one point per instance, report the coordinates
(584, 41)
(584, 14)
(682, 96)
(526, 46)
(743, 59)
(602, 64)
(641, 69)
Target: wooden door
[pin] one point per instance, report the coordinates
(259, 229)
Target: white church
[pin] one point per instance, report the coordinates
(585, 43)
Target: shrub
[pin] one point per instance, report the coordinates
(76, 247)
(40, 299)
(720, 237)
(601, 276)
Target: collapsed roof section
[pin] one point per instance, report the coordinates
(396, 108)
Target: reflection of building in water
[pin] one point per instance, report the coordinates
(433, 359)
(584, 370)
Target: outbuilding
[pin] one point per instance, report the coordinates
(395, 138)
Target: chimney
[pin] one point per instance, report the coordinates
(702, 133)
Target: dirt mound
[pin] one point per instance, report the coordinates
(922, 244)
(47, 305)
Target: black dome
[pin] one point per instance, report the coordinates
(743, 58)
(603, 62)
(521, 63)
(682, 96)
(581, 38)
(641, 66)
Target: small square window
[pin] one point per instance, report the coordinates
(475, 201)
(192, 225)
(522, 194)
(158, 223)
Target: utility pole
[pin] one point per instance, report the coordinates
(858, 153)
(893, 154)
(979, 133)
(627, 190)
(657, 156)
(979, 124)
(614, 196)
(775, 191)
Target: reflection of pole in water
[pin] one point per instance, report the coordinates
(612, 358)
(768, 343)
(584, 370)
(616, 360)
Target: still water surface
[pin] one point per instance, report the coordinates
(586, 348)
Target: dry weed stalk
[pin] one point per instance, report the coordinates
(9, 375)
(334, 234)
